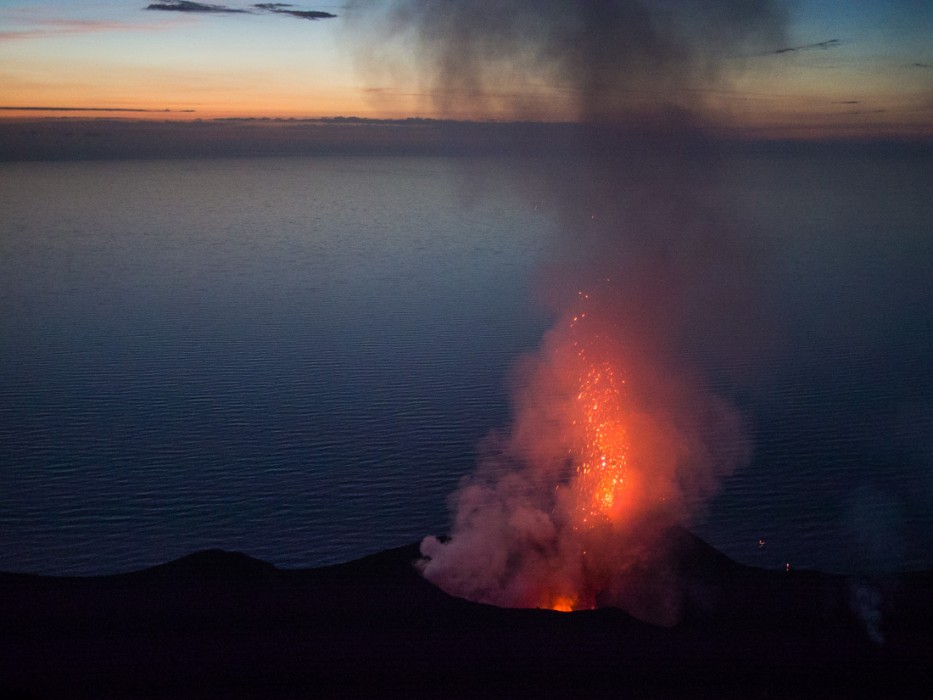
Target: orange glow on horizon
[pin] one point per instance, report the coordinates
(562, 604)
(140, 108)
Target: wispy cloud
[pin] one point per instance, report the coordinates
(283, 8)
(43, 27)
(18, 108)
(818, 46)
(186, 6)
(278, 8)
(58, 27)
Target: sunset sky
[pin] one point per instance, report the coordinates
(860, 67)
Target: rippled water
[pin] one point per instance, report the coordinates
(296, 357)
(842, 407)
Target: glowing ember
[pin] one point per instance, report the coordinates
(602, 461)
(600, 458)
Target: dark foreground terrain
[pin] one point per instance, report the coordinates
(217, 624)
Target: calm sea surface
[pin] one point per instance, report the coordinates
(295, 358)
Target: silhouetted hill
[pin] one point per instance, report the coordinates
(220, 624)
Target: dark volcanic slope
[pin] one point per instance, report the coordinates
(216, 624)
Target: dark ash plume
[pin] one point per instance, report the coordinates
(614, 58)
(649, 274)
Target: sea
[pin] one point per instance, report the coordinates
(297, 357)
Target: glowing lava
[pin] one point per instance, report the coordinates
(601, 463)
(563, 604)
(600, 457)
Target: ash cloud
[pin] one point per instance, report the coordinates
(614, 57)
(649, 273)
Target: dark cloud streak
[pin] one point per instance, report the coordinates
(818, 46)
(281, 9)
(6, 108)
(188, 6)
(278, 8)
(306, 14)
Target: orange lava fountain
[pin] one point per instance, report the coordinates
(609, 442)
(601, 465)
(600, 461)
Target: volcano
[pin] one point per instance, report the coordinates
(223, 624)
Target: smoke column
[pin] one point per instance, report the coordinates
(616, 432)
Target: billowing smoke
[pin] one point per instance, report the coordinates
(617, 62)
(616, 431)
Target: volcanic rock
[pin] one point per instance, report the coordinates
(220, 624)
